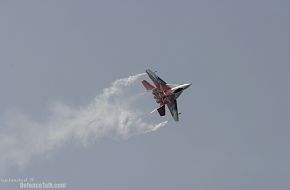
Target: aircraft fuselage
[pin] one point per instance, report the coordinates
(161, 96)
(164, 94)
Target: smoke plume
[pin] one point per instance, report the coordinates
(110, 114)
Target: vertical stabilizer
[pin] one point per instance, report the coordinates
(147, 85)
(161, 110)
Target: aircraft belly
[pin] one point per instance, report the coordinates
(165, 94)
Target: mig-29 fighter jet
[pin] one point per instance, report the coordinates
(164, 94)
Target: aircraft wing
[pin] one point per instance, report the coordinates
(159, 83)
(172, 106)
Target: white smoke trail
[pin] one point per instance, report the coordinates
(110, 114)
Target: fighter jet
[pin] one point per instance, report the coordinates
(164, 94)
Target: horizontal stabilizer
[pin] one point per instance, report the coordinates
(161, 110)
(147, 85)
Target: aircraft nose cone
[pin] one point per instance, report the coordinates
(187, 85)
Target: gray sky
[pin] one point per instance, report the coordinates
(234, 128)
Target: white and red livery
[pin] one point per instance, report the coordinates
(164, 94)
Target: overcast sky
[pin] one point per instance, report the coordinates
(234, 129)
